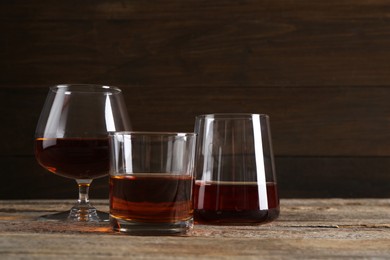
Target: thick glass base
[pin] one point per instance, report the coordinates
(233, 217)
(151, 229)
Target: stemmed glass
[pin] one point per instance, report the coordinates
(71, 139)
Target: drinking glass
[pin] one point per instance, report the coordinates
(71, 139)
(235, 182)
(151, 179)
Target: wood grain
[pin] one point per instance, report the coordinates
(340, 121)
(297, 177)
(319, 69)
(168, 43)
(306, 229)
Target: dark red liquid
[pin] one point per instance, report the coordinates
(162, 198)
(76, 158)
(234, 203)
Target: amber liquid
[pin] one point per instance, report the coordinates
(75, 158)
(234, 203)
(159, 198)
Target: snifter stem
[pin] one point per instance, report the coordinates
(84, 191)
(83, 211)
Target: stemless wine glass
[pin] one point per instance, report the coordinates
(71, 139)
(235, 174)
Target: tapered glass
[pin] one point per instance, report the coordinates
(235, 180)
(71, 139)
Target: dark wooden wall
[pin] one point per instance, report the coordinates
(320, 69)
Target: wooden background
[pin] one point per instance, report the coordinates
(320, 69)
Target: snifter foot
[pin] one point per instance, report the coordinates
(87, 213)
(60, 216)
(77, 215)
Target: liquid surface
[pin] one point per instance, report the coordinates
(75, 158)
(234, 203)
(160, 198)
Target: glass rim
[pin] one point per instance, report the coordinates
(231, 115)
(86, 88)
(152, 133)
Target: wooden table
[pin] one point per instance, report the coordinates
(306, 229)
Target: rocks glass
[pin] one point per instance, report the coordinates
(151, 179)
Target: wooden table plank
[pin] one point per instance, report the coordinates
(310, 228)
